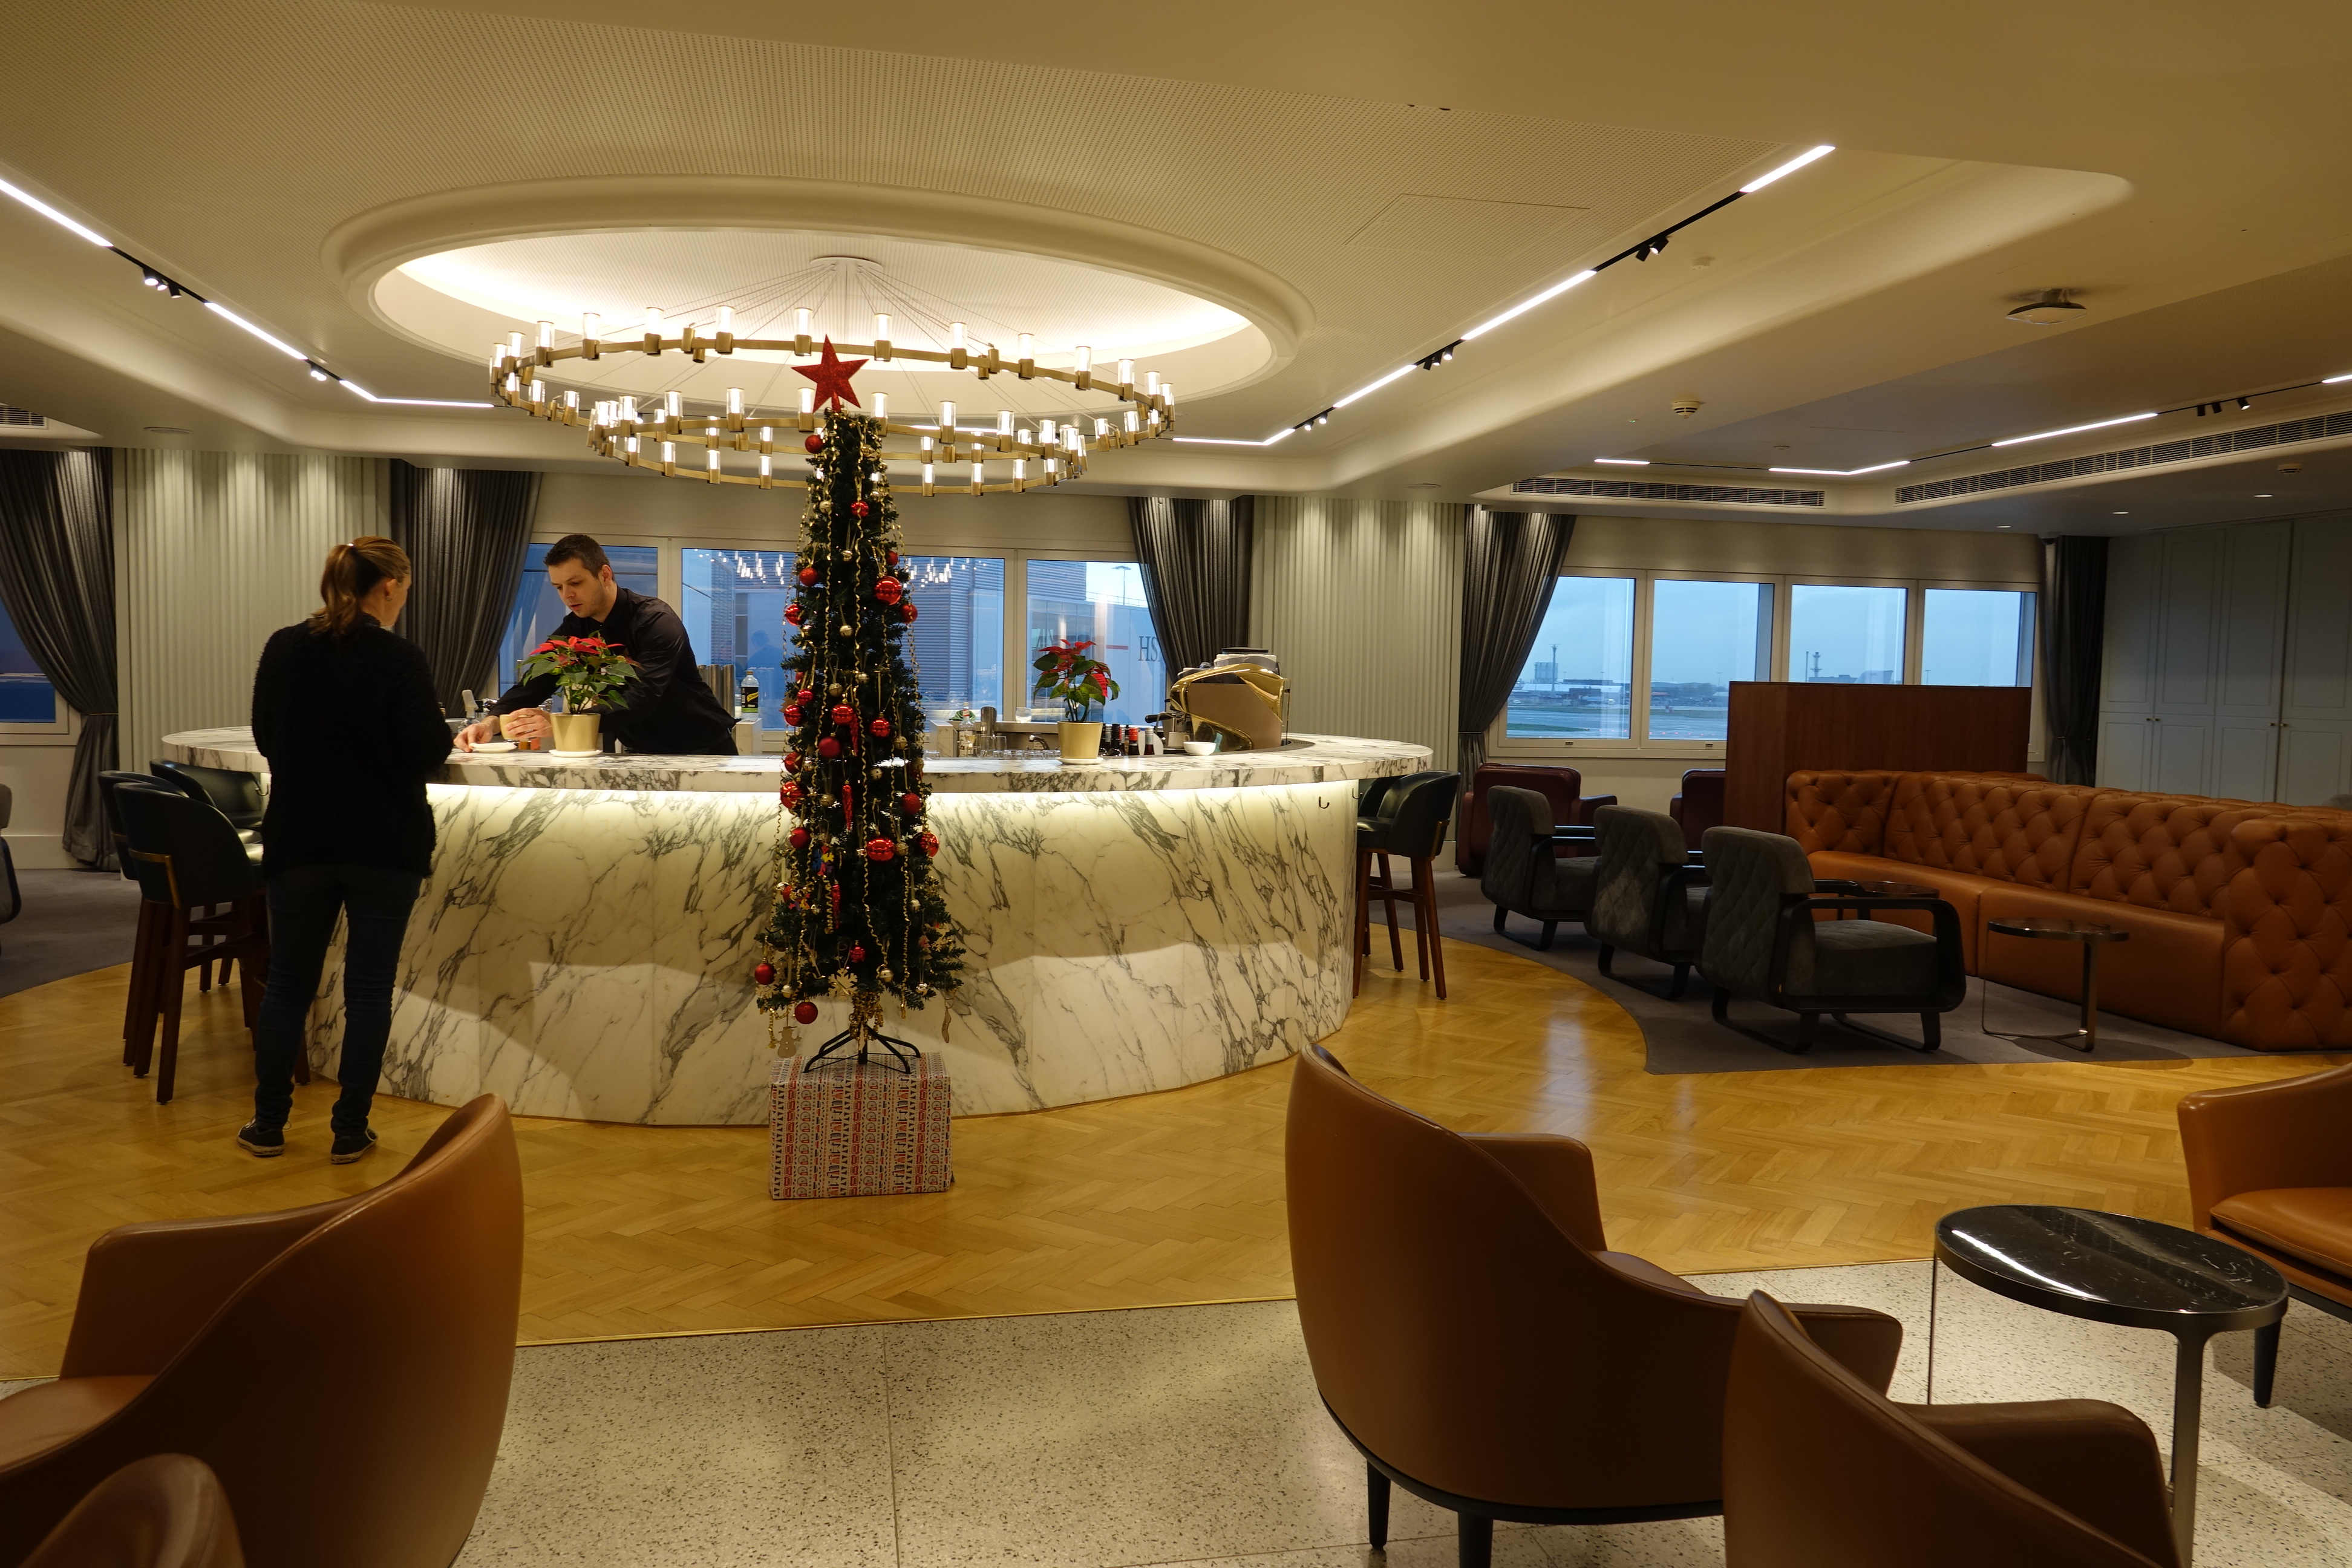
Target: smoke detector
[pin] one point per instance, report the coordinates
(2290, 468)
(2047, 308)
(1684, 405)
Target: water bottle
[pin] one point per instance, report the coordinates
(750, 696)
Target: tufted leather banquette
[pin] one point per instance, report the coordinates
(2239, 914)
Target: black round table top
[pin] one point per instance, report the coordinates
(2111, 1267)
(2053, 929)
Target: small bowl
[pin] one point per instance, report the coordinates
(1199, 748)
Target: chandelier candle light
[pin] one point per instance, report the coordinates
(651, 436)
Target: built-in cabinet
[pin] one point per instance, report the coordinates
(2228, 661)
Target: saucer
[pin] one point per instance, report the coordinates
(494, 745)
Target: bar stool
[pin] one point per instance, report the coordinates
(189, 858)
(235, 795)
(142, 944)
(15, 903)
(1410, 822)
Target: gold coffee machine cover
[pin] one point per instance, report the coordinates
(1246, 706)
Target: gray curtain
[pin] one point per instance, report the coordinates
(2074, 631)
(56, 578)
(1195, 556)
(465, 531)
(1511, 563)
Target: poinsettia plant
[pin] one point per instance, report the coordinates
(1079, 683)
(586, 669)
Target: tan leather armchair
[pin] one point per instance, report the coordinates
(1479, 1344)
(1822, 1471)
(166, 1511)
(2269, 1169)
(342, 1368)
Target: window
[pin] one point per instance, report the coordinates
(25, 695)
(732, 603)
(536, 610)
(1578, 682)
(1704, 636)
(1846, 634)
(1977, 636)
(957, 643)
(1103, 601)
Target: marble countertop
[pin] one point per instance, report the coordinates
(1304, 759)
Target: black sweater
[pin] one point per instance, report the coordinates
(352, 729)
(666, 709)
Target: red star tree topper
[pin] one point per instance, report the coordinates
(832, 375)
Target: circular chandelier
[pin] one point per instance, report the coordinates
(1027, 456)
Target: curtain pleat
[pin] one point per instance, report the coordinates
(465, 531)
(56, 578)
(1511, 563)
(2073, 632)
(1195, 558)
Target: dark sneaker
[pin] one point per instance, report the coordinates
(351, 1146)
(261, 1143)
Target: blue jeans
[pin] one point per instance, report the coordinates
(303, 903)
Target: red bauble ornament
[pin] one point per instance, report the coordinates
(931, 843)
(843, 713)
(800, 837)
(907, 611)
(892, 555)
(814, 442)
(802, 695)
(808, 576)
(856, 953)
(792, 717)
(789, 793)
(881, 849)
(912, 801)
(764, 974)
(805, 1013)
(828, 747)
(792, 612)
(792, 761)
(857, 508)
(879, 729)
(888, 590)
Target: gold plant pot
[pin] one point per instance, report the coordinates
(576, 732)
(1080, 742)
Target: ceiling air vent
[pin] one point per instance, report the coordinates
(1644, 489)
(22, 418)
(2180, 451)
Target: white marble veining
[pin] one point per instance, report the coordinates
(586, 953)
(1306, 759)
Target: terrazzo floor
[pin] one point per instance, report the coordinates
(1192, 1435)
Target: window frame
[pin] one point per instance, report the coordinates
(2028, 640)
(1503, 747)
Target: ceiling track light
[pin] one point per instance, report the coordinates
(1641, 252)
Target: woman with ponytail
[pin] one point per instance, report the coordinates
(345, 711)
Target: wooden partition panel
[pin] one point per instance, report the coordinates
(1778, 727)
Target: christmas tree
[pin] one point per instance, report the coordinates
(858, 913)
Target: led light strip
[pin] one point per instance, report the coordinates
(174, 288)
(1641, 252)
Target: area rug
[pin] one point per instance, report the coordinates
(1683, 1037)
(72, 922)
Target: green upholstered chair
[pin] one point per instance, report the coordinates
(1647, 898)
(1765, 941)
(1522, 872)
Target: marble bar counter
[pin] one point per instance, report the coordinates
(583, 947)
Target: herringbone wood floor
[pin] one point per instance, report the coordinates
(1156, 1200)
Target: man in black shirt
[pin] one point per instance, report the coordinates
(666, 709)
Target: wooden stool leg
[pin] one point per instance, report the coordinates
(1388, 896)
(134, 992)
(174, 979)
(147, 987)
(1425, 888)
(1363, 915)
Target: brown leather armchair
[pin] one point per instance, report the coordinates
(342, 1368)
(1821, 1469)
(1478, 1344)
(1561, 786)
(165, 1512)
(1700, 805)
(2269, 1169)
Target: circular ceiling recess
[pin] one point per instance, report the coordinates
(464, 298)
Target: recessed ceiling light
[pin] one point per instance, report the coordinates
(167, 430)
(2123, 514)
(2001, 525)
(2050, 309)
(2261, 495)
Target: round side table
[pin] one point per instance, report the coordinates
(2118, 1269)
(2091, 935)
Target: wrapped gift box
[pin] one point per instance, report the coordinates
(854, 1130)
